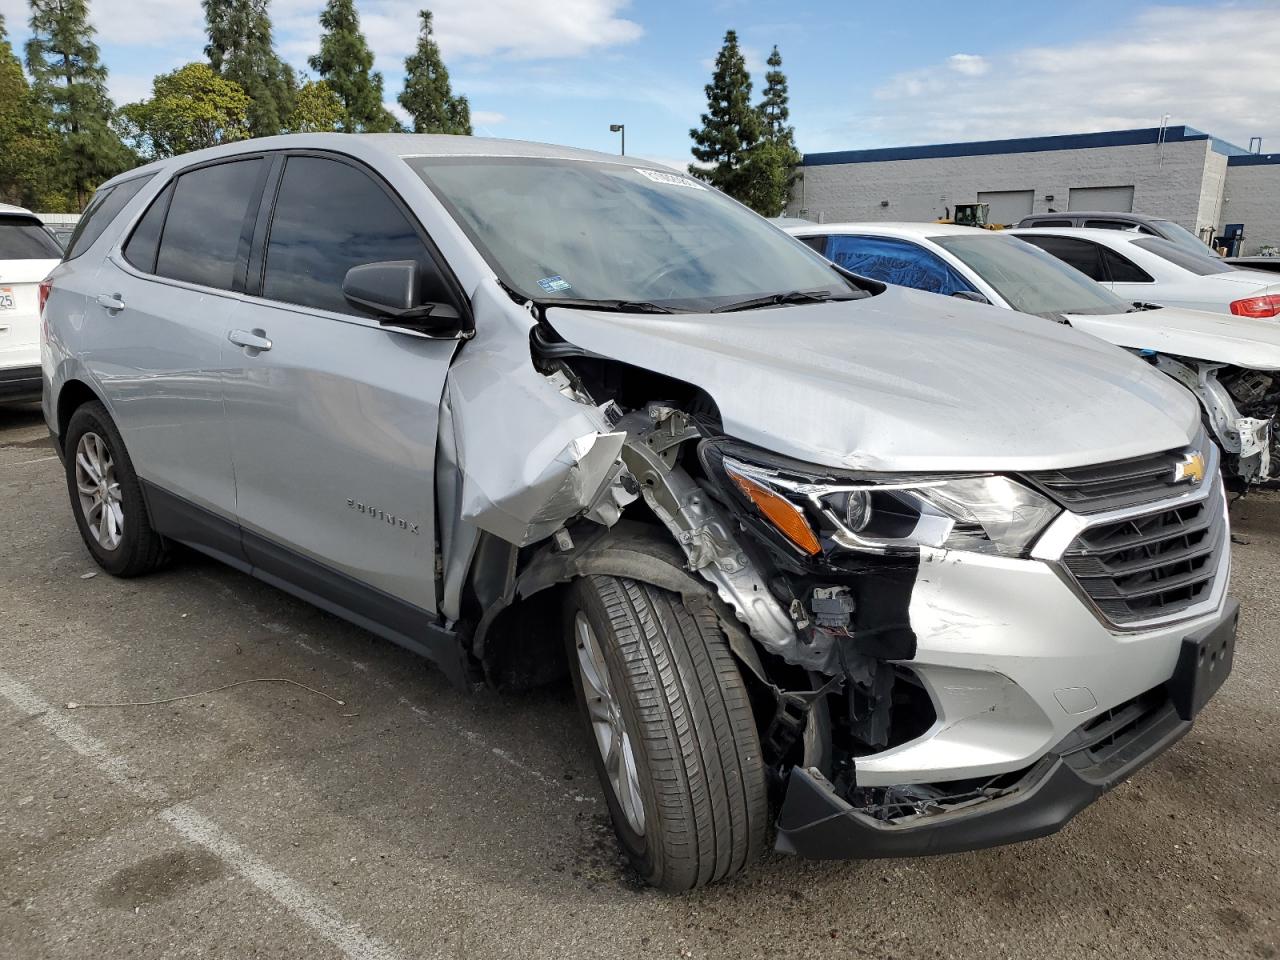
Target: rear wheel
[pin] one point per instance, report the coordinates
(677, 749)
(106, 496)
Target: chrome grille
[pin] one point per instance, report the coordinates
(1153, 564)
(1115, 485)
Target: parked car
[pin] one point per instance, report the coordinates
(1268, 264)
(1231, 364)
(27, 254)
(912, 573)
(1155, 270)
(1109, 220)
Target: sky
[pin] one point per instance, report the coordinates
(861, 74)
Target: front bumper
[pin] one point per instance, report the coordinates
(1093, 758)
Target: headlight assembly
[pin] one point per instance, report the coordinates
(884, 514)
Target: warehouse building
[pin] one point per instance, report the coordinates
(1178, 172)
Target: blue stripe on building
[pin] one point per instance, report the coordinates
(1075, 141)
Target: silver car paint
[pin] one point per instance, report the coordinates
(893, 383)
(896, 383)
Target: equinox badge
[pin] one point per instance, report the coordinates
(1190, 467)
(377, 514)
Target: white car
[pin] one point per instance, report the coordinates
(1231, 363)
(1142, 268)
(27, 254)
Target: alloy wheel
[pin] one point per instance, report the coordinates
(99, 491)
(605, 712)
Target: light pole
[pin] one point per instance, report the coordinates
(622, 129)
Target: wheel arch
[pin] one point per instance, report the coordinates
(515, 655)
(73, 394)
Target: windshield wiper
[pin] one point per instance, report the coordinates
(615, 306)
(778, 299)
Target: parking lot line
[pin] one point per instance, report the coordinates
(198, 829)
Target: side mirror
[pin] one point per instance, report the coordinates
(389, 289)
(973, 296)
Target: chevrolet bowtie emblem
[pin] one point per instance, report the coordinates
(1190, 467)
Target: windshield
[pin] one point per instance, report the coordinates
(22, 238)
(1201, 262)
(578, 230)
(1176, 233)
(1029, 279)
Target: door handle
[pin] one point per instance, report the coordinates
(254, 341)
(114, 302)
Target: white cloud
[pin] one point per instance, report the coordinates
(487, 118)
(510, 29)
(1213, 69)
(970, 64)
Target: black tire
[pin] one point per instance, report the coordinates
(140, 549)
(686, 712)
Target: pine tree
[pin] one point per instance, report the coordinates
(427, 95)
(731, 125)
(70, 82)
(240, 49)
(772, 163)
(345, 63)
(27, 149)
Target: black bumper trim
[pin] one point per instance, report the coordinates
(818, 824)
(21, 382)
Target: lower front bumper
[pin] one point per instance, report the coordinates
(815, 822)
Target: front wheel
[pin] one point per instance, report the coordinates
(678, 753)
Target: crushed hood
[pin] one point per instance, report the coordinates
(1216, 337)
(906, 381)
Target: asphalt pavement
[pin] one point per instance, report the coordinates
(414, 821)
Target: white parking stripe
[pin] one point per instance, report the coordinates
(347, 937)
(198, 829)
(113, 767)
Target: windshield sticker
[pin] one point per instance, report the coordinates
(670, 179)
(554, 284)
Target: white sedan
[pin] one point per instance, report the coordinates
(1141, 267)
(1231, 363)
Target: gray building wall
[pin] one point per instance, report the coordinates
(1181, 180)
(1252, 197)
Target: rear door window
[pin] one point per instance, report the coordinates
(22, 238)
(101, 211)
(1084, 255)
(896, 261)
(204, 239)
(1109, 225)
(1049, 223)
(330, 216)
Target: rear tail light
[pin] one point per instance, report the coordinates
(42, 297)
(45, 287)
(1260, 307)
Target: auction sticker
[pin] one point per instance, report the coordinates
(670, 179)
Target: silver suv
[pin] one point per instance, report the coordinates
(897, 574)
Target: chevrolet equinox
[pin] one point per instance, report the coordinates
(853, 569)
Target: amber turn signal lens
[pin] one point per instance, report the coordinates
(782, 513)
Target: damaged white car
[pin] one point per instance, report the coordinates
(1231, 363)
(890, 573)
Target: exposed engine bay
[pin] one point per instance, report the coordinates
(1240, 408)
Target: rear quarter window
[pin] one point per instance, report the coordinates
(22, 238)
(102, 209)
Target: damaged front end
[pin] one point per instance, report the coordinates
(1241, 407)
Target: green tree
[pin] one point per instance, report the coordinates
(70, 83)
(240, 49)
(190, 108)
(345, 63)
(772, 163)
(316, 109)
(28, 151)
(427, 95)
(731, 125)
